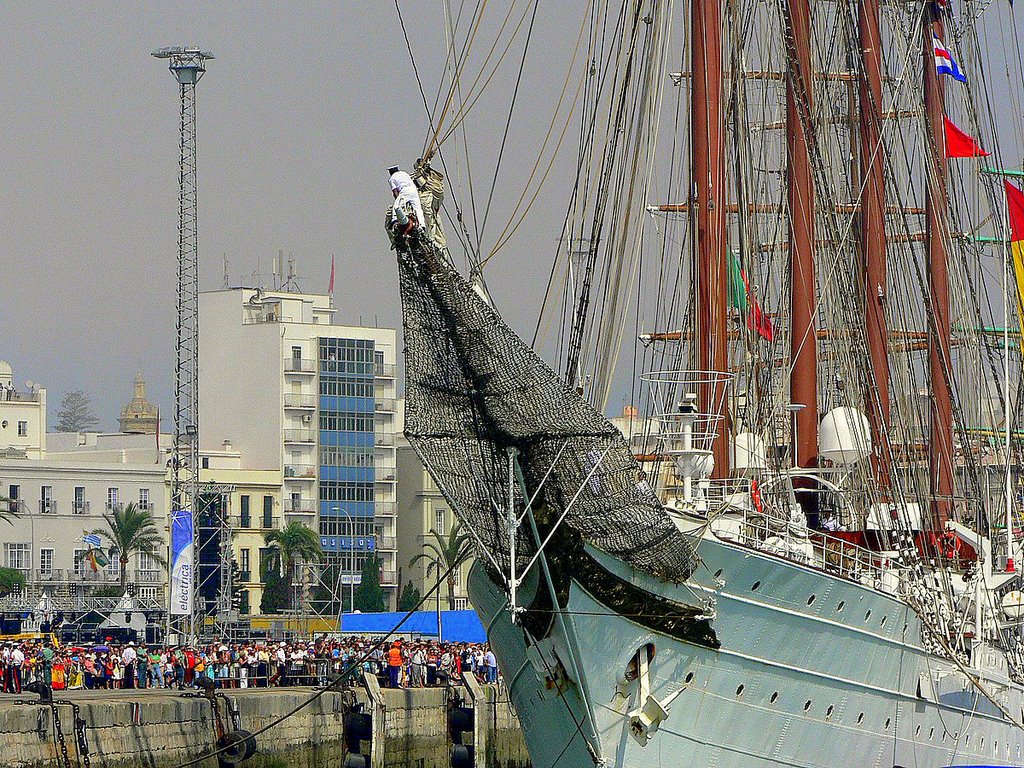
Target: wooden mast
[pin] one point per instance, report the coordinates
(939, 360)
(872, 233)
(708, 208)
(803, 384)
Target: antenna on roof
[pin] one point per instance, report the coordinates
(227, 283)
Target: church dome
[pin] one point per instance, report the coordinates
(139, 416)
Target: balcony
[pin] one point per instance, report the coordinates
(385, 439)
(80, 507)
(245, 576)
(300, 472)
(383, 508)
(384, 371)
(144, 506)
(388, 578)
(300, 506)
(47, 507)
(270, 523)
(387, 542)
(299, 365)
(299, 436)
(303, 402)
(386, 475)
(385, 404)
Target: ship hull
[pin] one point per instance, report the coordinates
(812, 670)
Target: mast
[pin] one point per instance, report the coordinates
(939, 360)
(872, 232)
(708, 209)
(803, 384)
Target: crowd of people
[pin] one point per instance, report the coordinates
(398, 664)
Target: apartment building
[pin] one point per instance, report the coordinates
(296, 393)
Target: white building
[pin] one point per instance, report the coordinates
(22, 417)
(294, 392)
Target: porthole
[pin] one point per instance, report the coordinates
(931, 733)
(739, 690)
(917, 731)
(884, 619)
(718, 573)
(839, 608)
(860, 718)
(887, 721)
(689, 677)
(754, 587)
(811, 599)
(967, 741)
(773, 698)
(807, 705)
(867, 615)
(828, 712)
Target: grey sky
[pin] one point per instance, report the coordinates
(300, 113)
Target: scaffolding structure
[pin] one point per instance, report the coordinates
(187, 65)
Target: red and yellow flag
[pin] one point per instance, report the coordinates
(1015, 208)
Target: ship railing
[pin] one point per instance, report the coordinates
(671, 391)
(716, 494)
(780, 537)
(675, 429)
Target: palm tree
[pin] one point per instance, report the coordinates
(8, 509)
(446, 555)
(291, 545)
(130, 530)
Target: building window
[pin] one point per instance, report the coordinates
(45, 562)
(46, 505)
(206, 462)
(244, 565)
(144, 498)
(244, 603)
(268, 511)
(461, 603)
(80, 565)
(457, 577)
(148, 566)
(22, 429)
(79, 504)
(439, 525)
(115, 563)
(246, 516)
(149, 593)
(112, 494)
(16, 556)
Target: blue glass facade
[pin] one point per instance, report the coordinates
(346, 438)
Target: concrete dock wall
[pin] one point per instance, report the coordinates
(155, 729)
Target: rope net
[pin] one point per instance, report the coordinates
(474, 390)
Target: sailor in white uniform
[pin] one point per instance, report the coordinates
(404, 190)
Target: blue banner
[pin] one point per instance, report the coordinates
(182, 563)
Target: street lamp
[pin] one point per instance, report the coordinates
(352, 557)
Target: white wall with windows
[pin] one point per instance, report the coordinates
(58, 502)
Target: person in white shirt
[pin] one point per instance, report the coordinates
(404, 190)
(17, 662)
(128, 657)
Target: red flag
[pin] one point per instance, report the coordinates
(959, 144)
(330, 285)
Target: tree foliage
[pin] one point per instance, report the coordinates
(75, 414)
(445, 555)
(11, 580)
(290, 546)
(409, 598)
(131, 530)
(7, 509)
(276, 591)
(369, 593)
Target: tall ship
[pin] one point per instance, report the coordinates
(793, 250)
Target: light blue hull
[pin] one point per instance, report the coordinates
(813, 670)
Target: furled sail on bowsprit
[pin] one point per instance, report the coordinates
(474, 390)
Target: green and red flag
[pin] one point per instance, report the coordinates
(741, 298)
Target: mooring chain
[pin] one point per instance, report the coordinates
(58, 733)
(81, 735)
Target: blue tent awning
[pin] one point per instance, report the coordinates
(456, 626)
